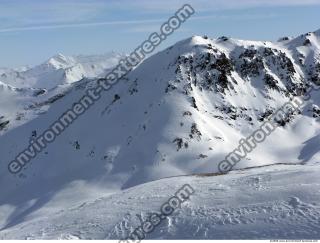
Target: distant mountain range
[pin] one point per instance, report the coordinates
(180, 112)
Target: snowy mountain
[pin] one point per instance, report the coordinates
(59, 70)
(180, 112)
(27, 92)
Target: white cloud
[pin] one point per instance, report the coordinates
(79, 25)
(25, 15)
(207, 5)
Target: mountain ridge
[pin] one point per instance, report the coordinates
(180, 112)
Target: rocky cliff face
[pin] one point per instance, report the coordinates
(179, 112)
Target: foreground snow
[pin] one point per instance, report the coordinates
(263, 203)
(180, 112)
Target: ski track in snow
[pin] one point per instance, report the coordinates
(179, 112)
(282, 202)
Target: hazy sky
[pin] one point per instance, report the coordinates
(33, 30)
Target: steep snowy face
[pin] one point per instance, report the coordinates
(217, 92)
(179, 112)
(306, 50)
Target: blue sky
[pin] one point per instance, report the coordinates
(33, 30)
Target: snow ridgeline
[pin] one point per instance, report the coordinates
(179, 112)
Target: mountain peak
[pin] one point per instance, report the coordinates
(179, 112)
(60, 61)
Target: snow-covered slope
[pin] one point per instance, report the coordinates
(180, 112)
(276, 202)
